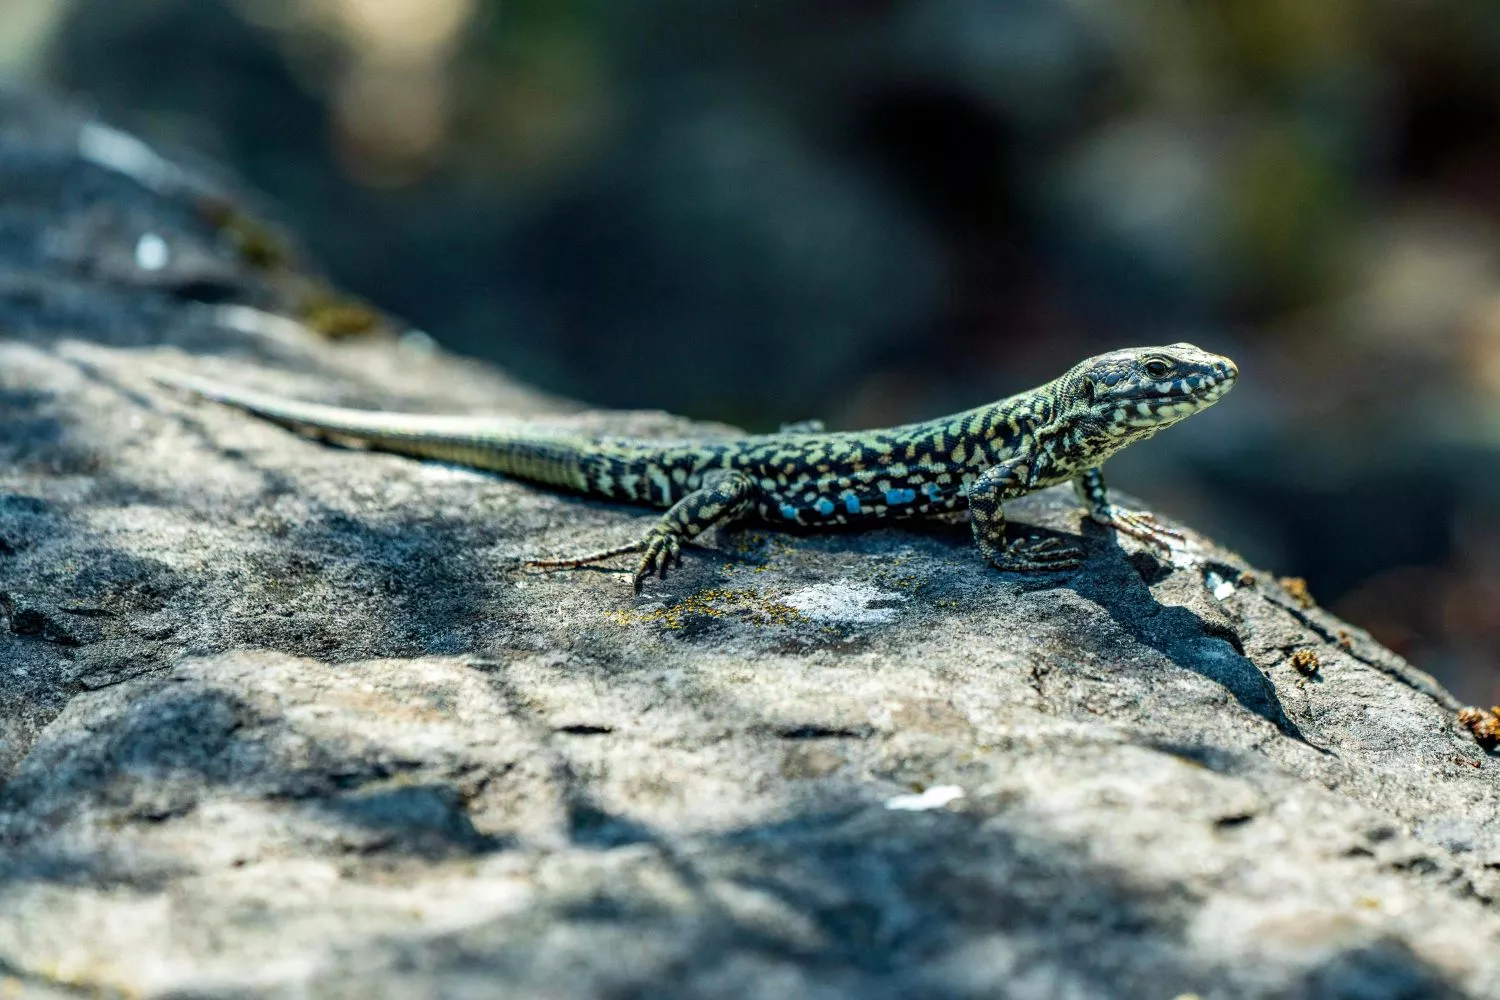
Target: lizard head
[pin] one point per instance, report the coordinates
(1133, 393)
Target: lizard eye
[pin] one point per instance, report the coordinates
(1157, 368)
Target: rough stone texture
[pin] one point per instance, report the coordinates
(280, 719)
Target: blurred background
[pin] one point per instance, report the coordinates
(877, 210)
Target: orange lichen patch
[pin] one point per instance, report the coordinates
(1297, 588)
(1306, 662)
(1484, 725)
(749, 605)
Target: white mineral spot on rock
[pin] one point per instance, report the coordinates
(152, 252)
(933, 798)
(259, 323)
(847, 603)
(1221, 588)
(418, 342)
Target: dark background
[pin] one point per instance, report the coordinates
(876, 210)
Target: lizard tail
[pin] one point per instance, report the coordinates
(488, 443)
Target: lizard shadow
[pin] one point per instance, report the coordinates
(1121, 585)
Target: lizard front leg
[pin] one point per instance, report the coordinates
(723, 498)
(1007, 481)
(1137, 524)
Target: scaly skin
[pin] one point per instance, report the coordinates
(978, 459)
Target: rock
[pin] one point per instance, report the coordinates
(283, 719)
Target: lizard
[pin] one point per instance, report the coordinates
(977, 459)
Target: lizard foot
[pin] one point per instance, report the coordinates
(659, 550)
(663, 549)
(1143, 527)
(1037, 555)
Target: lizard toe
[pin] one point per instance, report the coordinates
(1037, 555)
(648, 566)
(1146, 528)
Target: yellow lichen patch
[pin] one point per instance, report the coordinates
(1306, 662)
(748, 605)
(1297, 588)
(902, 581)
(337, 316)
(258, 243)
(1484, 725)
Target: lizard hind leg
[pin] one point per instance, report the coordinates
(723, 498)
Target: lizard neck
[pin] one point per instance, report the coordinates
(1052, 427)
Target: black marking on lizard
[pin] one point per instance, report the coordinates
(977, 459)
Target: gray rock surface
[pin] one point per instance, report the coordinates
(280, 719)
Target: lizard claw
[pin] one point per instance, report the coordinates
(663, 550)
(1037, 555)
(1143, 527)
